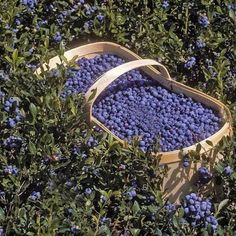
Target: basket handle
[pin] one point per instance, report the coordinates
(108, 77)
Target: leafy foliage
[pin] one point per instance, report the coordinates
(60, 177)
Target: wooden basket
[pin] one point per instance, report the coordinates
(179, 179)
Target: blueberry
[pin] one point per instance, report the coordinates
(191, 201)
(88, 191)
(193, 196)
(185, 163)
(133, 193)
(129, 194)
(103, 199)
(122, 167)
(142, 143)
(192, 208)
(11, 123)
(187, 197)
(228, 170)
(186, 210)
(1, 231)
(75, 230)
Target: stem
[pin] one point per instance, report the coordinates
(8, 220)
(186, 22)
(97, 227)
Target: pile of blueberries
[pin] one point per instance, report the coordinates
(198, 211)
(80, 80)
(135, 105)
(11, 106)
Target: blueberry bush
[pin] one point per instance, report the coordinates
(61, 177)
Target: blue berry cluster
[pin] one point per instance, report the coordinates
(232, 7)
(57, 37)
(76, 151)
(131, 194)
(41, 23)
(88, 24)
(18, 19)
(171, 208)
(122, 167)
(62, 17)
(90, 10)
(2, 94)
(92, 142)
(12, 107)
(135, 105)
(165, 4)
(228, 171)
(13, 143)
(105, 220)
(200, 43)
(3, 76)
(34, 196)
(198, 211)
(204, 176)
(203, 21)
(2, 194)
(10, 170)
(75, 230)
(190, 63)
(100, 17)
(30, 4)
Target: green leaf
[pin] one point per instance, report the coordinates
(232, 15)
(46, 42)
(222, 205)
(22, 213)
(2, 214)
(64, 59)
(158, 232)
(205, 233)
(135, 207)
(32, 148)
(73, 107)
(175, 222)
(30, 234)
(198, 148)
(33, 110)
(8, 59)
(9, 49)
(104, 230)
(181, 212)
(92, 96)
(15, 56)
(135, 231)
(209, 143)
